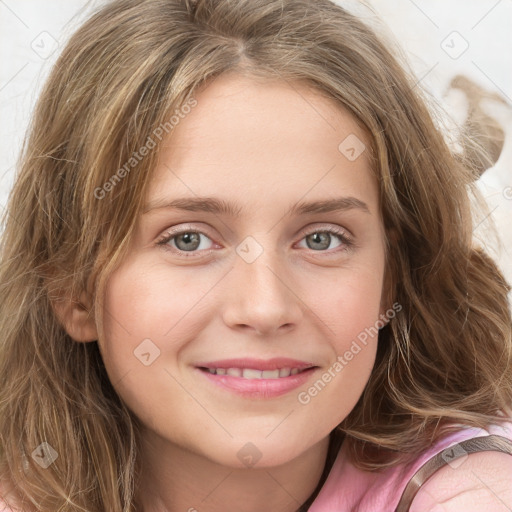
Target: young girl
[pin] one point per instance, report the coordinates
(237, 273)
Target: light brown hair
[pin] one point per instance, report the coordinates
(445, 357)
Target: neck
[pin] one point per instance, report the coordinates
(173, 479)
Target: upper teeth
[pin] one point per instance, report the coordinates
(249, 373)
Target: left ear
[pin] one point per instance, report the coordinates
(76, 315)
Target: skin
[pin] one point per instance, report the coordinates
(480, 484)
(267, 146)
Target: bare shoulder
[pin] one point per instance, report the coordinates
(481, 482)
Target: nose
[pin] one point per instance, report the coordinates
(262, 297)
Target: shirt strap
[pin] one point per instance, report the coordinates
(447, 456)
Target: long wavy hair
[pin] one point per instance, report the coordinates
(444, 359)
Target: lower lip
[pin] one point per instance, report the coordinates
(259, 388)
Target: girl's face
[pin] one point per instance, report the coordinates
(272, 256)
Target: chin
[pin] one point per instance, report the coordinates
(259, 454)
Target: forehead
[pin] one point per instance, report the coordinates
(263, 139)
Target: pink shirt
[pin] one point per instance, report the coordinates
(348, 489)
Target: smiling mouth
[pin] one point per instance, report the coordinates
(251, 373)
(257, 379)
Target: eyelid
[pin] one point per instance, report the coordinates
(344, 235)
(169, 234)
(330, 229)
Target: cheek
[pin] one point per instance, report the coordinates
(352, 306)
(351, 311)
(356, 342)
(146, 323)
(149, 304)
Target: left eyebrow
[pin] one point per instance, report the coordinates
(330, 205)
(219, 206)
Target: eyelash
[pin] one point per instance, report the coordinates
(346, 241)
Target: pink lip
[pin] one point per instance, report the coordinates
(258, 388)
(257, 364)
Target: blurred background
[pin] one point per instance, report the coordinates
(460, 52)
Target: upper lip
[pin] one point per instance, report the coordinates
(257, 364)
